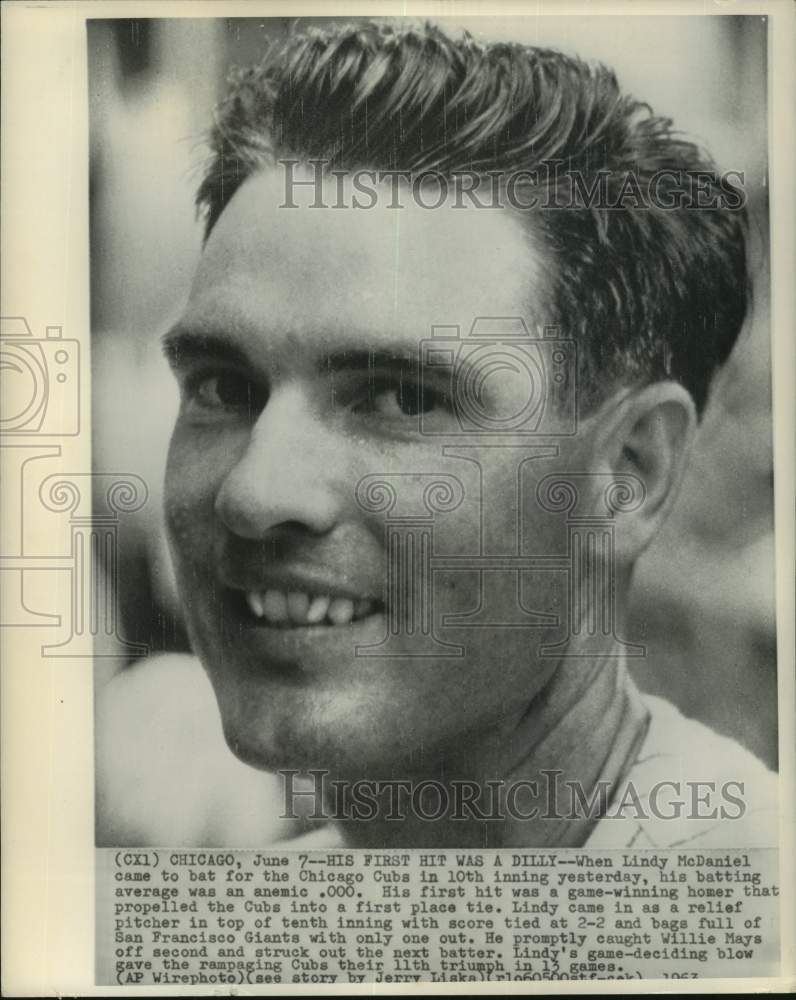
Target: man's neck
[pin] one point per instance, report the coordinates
(540, 780)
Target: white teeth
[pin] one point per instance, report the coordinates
(317, 609)
(341, 610)
(298, 608)
(297, 604)
(255, 602)
(275, 605)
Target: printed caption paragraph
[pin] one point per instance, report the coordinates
(191, 917)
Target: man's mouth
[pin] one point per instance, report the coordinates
(299, 609)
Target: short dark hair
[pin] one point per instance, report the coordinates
(647, 292)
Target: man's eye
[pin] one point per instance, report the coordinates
(225, 392)
(406, 399)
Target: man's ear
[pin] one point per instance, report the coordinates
(648, 434)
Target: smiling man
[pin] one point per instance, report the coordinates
(432, 265)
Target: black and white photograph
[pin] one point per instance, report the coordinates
(467, 465)
(426, 567)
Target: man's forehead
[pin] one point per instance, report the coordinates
(379, 266)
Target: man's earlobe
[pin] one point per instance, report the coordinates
(648, 435)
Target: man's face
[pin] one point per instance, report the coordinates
(297, 360)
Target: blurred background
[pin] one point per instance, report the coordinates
(704, 595)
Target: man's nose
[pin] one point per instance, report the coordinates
(283, 476)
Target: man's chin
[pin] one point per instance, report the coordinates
(265, 755)
(286, 741)
(301, 743)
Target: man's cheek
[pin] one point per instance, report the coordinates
(192, 483)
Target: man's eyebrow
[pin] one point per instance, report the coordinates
(400, 360)
(388, 357)
(182, 344)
